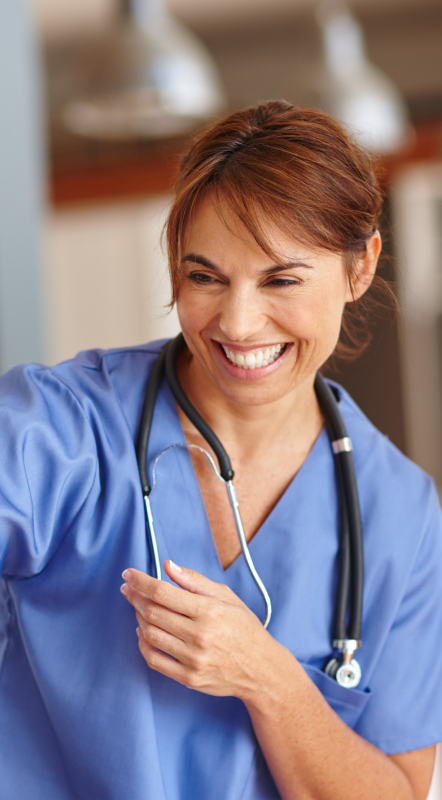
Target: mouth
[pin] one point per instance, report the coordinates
(256, 358)
(252, 363)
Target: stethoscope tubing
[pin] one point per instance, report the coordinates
(351, 581)
(225, 466)
(246, 552)
(173, 350)
(150, 396)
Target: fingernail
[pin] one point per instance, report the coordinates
(174, 566)
(126, 575)
(124, 590)
(138, 632)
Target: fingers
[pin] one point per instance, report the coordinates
(164, 594)
(154, 614)
(193, 581)
(162, 640)
(160, 662)
(160, 592)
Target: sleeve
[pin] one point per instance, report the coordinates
(48, 464)
(405, 708)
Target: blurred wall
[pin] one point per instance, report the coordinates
(418, 216)
(107, 278)
(21, 188)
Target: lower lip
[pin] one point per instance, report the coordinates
(251, 374)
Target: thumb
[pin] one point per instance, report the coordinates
(191, 580)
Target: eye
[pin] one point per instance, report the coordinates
(284, 282)
(203, 279)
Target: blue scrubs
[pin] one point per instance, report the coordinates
(82, 716)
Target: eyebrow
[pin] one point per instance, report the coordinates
(196, 259)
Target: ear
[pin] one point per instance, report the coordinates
(366, 268)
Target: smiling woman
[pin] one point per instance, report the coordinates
(272, 236)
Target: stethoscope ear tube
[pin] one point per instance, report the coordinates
(150, 397)
(173, 349)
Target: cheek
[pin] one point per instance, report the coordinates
(194, 311)
(314, 317)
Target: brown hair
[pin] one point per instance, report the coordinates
(297, 168)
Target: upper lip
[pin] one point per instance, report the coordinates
(246, 348)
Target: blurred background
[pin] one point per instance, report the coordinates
(98, 98)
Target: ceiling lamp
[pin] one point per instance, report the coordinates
(355, 91)
(160, 82)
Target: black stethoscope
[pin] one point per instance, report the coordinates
(348, 612)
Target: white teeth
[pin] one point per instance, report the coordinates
(255, 360)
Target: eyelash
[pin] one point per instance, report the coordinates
(281, 282)
(202, 279)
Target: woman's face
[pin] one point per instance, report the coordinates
(257, 329)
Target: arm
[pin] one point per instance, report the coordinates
(220, 647)
(313, 754)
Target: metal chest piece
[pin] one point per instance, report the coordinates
(345, 671)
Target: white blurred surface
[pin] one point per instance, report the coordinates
(436, 785)
(354, 90)
(107, 280)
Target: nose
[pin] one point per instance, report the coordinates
(242, 315)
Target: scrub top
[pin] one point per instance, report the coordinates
(82, 715)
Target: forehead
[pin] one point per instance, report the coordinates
(215, 227)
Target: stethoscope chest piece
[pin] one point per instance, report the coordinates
(347, 674)
(346, 670)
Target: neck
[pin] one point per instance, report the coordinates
(251, 431)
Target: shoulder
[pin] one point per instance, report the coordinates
(96, 390)
(97, 366)
(98, 359)
(78, 377)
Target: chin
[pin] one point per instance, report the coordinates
(251, 394)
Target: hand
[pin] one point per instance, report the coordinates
(218, 646)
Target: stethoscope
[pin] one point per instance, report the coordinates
(348, 611)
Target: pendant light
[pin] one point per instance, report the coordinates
(161, 80)
(355, 91)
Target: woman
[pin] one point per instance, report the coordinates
(272, 233)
